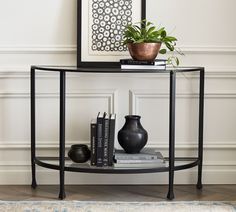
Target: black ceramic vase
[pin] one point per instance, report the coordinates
(79, 153)
(132, 137)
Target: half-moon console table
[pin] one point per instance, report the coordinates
(49, 162)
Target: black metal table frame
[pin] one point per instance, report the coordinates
(172, 98)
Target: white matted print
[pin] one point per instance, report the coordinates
(102, 26)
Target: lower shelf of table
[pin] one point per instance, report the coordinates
(53, 163)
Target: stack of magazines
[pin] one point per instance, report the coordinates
(157, 64)
(148, 157)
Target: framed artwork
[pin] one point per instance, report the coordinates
(100, 29)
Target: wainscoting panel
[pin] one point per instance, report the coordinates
(146, 95)
(39, 34)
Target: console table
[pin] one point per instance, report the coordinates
(188, 162)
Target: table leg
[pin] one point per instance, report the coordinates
(170, 194)
(32, 105)
(201, 121)
(62, 135)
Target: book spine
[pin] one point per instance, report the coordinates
(159, 67)
(141, 157)
(156, 165)
(106, 139)
(99, 142)
(93, 143)
(134, 62)
(111, 142)
(139, 161)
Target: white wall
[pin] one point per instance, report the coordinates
(44, 32)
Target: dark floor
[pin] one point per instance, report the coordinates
(120, 193)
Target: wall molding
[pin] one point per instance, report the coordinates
(136, 95)
(209, 145)
(110, 94)
(152, 94)
(42, 49)
(71, 49)
(208, 49)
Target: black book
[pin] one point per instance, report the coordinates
(111, 149)
(100, 140)
(93, 142)
(143, 62)
(106, 139)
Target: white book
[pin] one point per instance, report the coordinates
(140, 161)
(143, 67)
(139, 165)
(145, 154)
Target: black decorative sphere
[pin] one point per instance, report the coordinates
(132, 137)
(79, 153)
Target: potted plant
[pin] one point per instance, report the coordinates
(145, 41)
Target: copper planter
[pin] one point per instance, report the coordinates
(144, 51)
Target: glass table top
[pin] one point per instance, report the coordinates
(113, 69)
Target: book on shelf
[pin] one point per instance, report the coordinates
(148, 157)
(145, 154)
(140, 165)
(105, 138)
(137, 161)
(100, 142)
(111, 149)
(102, 139)
(143, 62)
(143, 67)
(93, 142)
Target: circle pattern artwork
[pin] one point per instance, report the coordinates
(109, 19)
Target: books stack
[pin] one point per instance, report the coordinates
(158, 64)
(102, 140)
(148, 157)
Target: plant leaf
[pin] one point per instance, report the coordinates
(171, 38)
(163, 33)
(177, 61)
(163, 51)
(139, 41)
(169, 46)
(150, 30)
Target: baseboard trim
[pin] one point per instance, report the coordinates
(46, 177)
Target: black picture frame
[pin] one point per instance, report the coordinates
(107, 64)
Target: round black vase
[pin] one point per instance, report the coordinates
(79, 153)
(132, 137)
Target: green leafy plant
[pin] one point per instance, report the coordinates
(146, 32)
